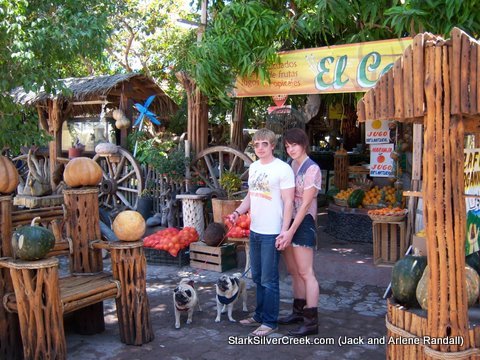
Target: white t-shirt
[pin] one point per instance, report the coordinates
(264, 185)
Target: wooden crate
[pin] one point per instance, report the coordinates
(33, 202)
(221, 258)
(389, 242)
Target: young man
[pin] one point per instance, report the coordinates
(271, 188)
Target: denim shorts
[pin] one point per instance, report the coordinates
(306, 234)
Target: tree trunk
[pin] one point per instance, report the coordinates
(237, 125)
(197, 128)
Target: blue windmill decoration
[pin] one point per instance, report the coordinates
(143, 110)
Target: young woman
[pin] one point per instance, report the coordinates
(299, 240)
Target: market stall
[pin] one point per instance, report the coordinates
(435, 83)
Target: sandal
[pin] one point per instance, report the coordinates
(249, 322)
(263, 330)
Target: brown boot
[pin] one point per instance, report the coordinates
(297, 313)
(310, 323)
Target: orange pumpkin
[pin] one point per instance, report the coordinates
(82, 171)
(9, 176)
(129, 225)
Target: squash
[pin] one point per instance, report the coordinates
(32, 242)
(82, 171)
(129, 225)
(356, 197)
(9, 176)
(106, 148)
(474, 261)
(406, 274)
(472, 282)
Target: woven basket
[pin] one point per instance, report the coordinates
(387, 218)
(340, 202)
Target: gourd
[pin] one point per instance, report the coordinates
(106, 148)
(32, 242)
(82, 171)
(9, 176)
(214, 234)
(129, 225)
(406, 274)
(121, 120)
(472, 283)
(356, 197)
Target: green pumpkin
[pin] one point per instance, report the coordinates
(406, 274)
(356, 197)
(472, 282)
(32, 242)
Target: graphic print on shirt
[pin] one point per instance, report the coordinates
(260, 186)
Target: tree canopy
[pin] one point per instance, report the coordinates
(41, 41)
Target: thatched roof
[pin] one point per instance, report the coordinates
(136, 87)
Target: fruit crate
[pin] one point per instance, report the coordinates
(389, 242)
(215, 258)
(162, 257)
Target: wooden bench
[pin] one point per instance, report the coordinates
(35, 291)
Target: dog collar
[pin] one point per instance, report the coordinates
(180, 309)
(225, 301)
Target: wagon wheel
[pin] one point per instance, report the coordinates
(211, 163)
(122, 180)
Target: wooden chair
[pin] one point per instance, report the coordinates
(35, 291)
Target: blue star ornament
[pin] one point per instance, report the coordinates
(143, 110)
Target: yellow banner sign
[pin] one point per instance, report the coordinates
(331, 69)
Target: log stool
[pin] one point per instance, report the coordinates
(37, 294)
(129, 268)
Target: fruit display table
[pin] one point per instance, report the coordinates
(349, 224)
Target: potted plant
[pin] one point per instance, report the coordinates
(231, 185)
(145, 200)
(77, 147)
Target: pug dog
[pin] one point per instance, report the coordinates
(185, 299)
(229, 289)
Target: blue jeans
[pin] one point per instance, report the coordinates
(264, 259)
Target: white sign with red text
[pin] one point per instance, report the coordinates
(381, 164)
(377, 132)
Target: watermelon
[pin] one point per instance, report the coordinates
(32, 242)
(356, 197)
(406, 274)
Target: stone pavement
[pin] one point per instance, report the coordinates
(351, 314)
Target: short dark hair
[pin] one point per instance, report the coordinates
(296, 136)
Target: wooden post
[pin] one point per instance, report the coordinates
(83, 226)
(444, 205)
(340, 167)
(10, 340)
(40, 313)
(133, 311)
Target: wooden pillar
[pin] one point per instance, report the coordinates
(83, 226)
(10, 341)
(129, 267)
(236, 140)
(40, 311)
(340, 167)
(126, 105)
(444, 206)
